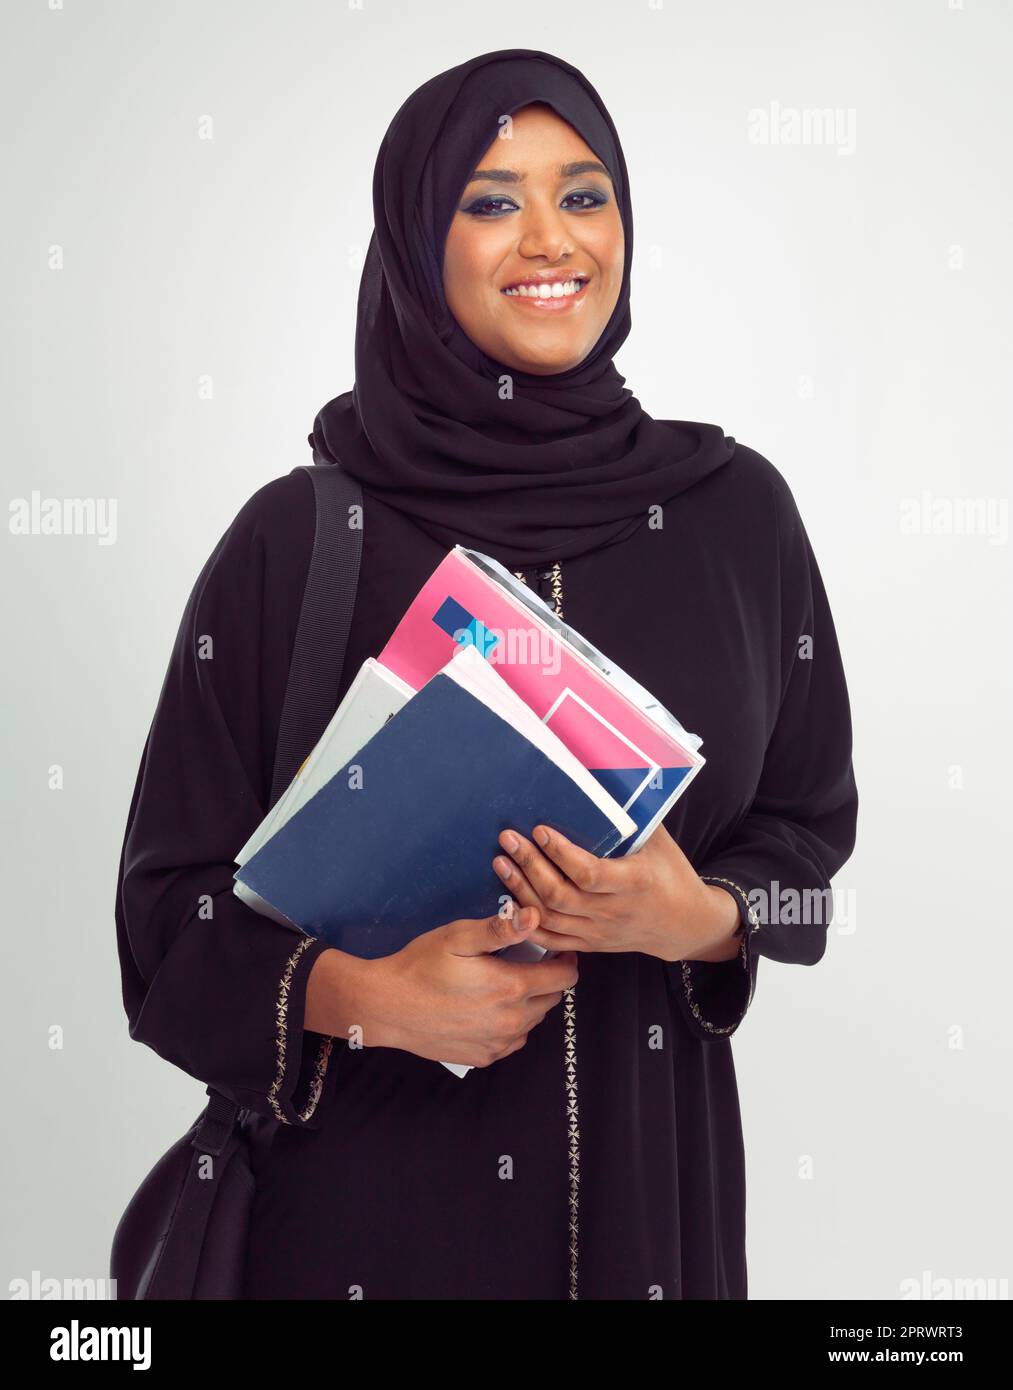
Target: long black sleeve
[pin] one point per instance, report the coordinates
(209, 984)
(780, 857)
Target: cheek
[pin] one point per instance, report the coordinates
(607, 246)
(469, 264)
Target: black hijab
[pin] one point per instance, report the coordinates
(571, 462)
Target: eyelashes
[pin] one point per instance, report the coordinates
(479, 206)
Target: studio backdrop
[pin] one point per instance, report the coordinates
(821, 267)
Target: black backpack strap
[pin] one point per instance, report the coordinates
(325, 620)
(318, 657)
(314, 674)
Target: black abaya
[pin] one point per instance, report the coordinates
(380, 1174)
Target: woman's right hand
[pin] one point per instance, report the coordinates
(445, 995)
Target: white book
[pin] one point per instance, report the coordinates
(374, 696)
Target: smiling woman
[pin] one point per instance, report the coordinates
(595, 1151)
(533, 275)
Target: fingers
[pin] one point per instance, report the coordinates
(515, 880)
(567, 931)
(534, 1016)
(533, 978)
(562, 881)
(570, 940)
(543, 876)
(477, 936)
(534, 879)
(587, 871)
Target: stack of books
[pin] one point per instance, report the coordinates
(484, 712)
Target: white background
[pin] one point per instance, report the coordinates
(846, 313)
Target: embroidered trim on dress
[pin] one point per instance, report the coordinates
(281, 1044)
(569, 1038)
(754, 922)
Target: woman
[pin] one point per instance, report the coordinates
(596, 1149)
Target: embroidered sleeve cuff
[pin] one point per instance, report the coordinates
(715, 995)
(301, 1056)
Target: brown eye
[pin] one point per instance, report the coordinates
(481, 206)
(597, 200)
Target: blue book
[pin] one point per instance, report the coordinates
(402, 839)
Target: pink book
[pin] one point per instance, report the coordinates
(636, 748)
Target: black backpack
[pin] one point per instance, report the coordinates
(183, 1236)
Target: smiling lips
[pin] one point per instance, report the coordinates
(547, 294)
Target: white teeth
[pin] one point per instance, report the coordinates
(557, 290)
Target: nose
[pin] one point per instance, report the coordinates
(544, 233)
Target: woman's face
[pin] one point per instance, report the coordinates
(529, 218)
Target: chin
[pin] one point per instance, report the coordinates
(547, 368)
(548, 365)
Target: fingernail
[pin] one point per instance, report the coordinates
(542, 835)
(510, 841)
(502, 867)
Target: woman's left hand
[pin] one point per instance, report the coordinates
(652, 901)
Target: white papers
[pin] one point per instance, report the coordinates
(373, 697)
(476, 675)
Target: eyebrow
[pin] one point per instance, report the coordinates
(566, 171)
